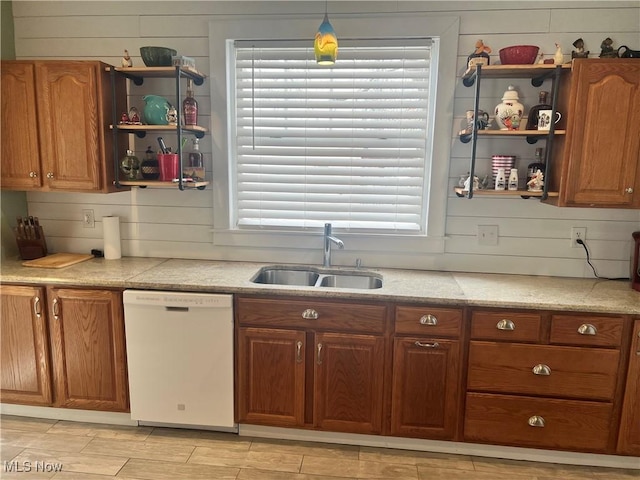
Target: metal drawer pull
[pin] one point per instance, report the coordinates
(299, 352)
(541, 369)
(310, 314)
(536, 421)
(319, 358)
(505, 324)
(37, 310)
(587, 329)
(427, 345)
(428, 320)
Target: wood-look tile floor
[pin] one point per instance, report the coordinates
(88, 451)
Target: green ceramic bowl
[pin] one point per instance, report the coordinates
(157, 56)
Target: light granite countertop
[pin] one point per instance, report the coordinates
(409, 286)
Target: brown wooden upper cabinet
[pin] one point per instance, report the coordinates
(55, 125)
(601, 162)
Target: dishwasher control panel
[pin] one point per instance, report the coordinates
(177, 299)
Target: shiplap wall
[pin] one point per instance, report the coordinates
(533, 238)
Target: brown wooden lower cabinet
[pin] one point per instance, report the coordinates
(64, 348)
(425, 388)
(295, 368)
(26, 368)
(537, 422)
(271, 377)
(629, 437)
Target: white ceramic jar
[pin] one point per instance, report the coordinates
(509, 113)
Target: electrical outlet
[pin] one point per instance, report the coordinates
(578, 233)
(488, 235)
(88, 219)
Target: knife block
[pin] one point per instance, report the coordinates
(31, 248)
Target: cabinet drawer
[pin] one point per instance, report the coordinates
(537, 422)
(512, 326)
(428, 321)
(571, 372)
(317, 314)
(586, 330)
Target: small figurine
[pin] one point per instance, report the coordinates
(480, 55)
(126, 60)
(537, 182)
(124, 119)
(467, 183)
(134, 116)
(172, 116)
(558, 57)
(540, 58)
(579, 51)
(484, 184)
(606, 49)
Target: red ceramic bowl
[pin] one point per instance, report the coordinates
(519, 55)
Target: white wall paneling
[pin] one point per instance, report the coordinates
(533, 238)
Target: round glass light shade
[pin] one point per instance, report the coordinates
(325, 45)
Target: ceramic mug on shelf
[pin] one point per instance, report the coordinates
(168, 163)
(481, 123)
(544, 119)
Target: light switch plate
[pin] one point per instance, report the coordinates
(488, 235)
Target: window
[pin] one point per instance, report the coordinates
(349, 144)
(261, 224)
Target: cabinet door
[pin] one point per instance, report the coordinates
(629, 439)
(348, 373)
(70, 129)
(20, 148)
(26, 372)
(425, 395)
(88, 349)
(604, 145)
(270, 377)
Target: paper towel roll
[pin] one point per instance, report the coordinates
(111, 235)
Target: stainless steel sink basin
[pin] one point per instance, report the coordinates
(351, 281)
(316, 277)
(276, 276)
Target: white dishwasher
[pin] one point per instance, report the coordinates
(180, 358)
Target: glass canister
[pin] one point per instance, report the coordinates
(130, 165)
(149, 168)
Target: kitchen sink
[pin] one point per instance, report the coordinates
(316, 277)
(351, 281)
(277, 276)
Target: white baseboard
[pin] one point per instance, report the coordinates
(71, 414)
(458, 448)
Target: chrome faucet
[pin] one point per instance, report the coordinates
(328, 238)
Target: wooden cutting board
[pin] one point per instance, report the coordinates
(57, 260)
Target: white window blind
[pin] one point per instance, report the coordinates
(345, 144)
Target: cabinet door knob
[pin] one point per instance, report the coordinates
(49, 174)
(541, 369)
(310, 314)
(587, 329)
(505, 324)
(33, 174)
(427, 345)
(55, 307)
(428, 320)
(629, 190)
(536, 421)
(298, 351)
(37, 309)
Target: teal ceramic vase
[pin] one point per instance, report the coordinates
(155, 110)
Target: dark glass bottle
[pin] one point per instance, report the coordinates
(190, 106)
(538, 164)
(149, 168)
(543, 104)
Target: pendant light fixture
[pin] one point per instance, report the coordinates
(326, 42)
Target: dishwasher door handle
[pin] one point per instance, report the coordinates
(176, 309)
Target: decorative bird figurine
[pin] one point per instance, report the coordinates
(126, 59)
(558, 58)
